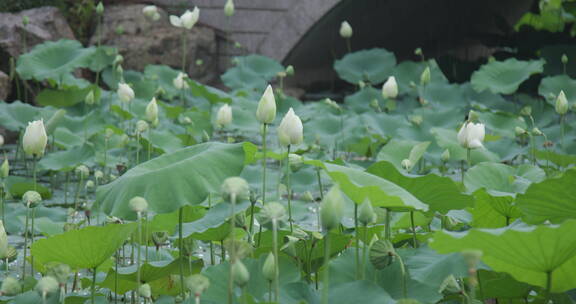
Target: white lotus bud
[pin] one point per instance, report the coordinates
(290, 131)
(471, 135)
(229, 8)
(100, 8)
(390, 88)
(240, 273)
(561, 103)
(425, 76)
(35, 138)
(125, 92)
(1, 140)
(187, 20)
(345, 30)
(290, 70)
(151, 11)
(224, 116)
(5, 168)
(98, 175)
(10, 287)
(273, 211)
(406, 164)
(145, 291)
(3, 242)
(519, 131)
(138, 204)
(266, 111)
(269, 268)
(235, 187)
(366, 214)
(141, 126)
(152, 110)
(180, 81)
(197, 284)
(445, 155)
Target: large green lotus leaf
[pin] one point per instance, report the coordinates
(395, 151)
(363, 291)
(428, 267)
(53, 59)
(173, 180)
(493, 211)
(501, 179)
(553, 199)
(551, 86)
(163, 140)
(16, 115)
(501, 285)
(562, 160)
(439, 193)
(359, 185)
(410, 71)
(447, 139)
(527, 253)
(103, 57)
(85, 248)
(239, 78)
(360, 101)
(64, 138)
(64, 97)
(215, 217)
(164, 76)
(504, 77)
(502, 123)
(261, 65)
(374, 66)
(66, 160)
(18, 185)
(211, 94)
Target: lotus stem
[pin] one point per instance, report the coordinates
(413, 226)
(276, 265)
(181, 250)
(32, 241)
(139, 214)
(25, 243)
(387, 232)
(321, 189)
(364, 249)
(289, 189)
(93, 290)
(77, 194)
(357, 237)
(404, 277)
(116, 276)
(232, 248)
(137, 148)
(326, 268)
(562, 131)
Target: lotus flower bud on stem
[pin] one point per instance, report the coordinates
(266, 111)
(197, 284)
(425, 76)
(229, 8)
(145, 291)
(366, 214)
(240, 273)
(269, 268)
(3, 242)
(5, 169)
(141, 126)
(100, 8)
(187, 20)
(151, 12)
(125, 92)
(35, 139)
(82, 171)
(526, 111)
(224, 116)
(46, 285)
(390, 88)
(290, 130)
(152, 110)
(520, 131)
(406, 164)
(345, 30)
(471, 134)
(180, 82)
(290, 70)
(273, 211)
(332, 209)
(445, 155)
(561, 105)
(236, 187)
(564, 59)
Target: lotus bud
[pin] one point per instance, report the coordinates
(273, 211)
(187, 20)
(450, 285)
(519, 131)
(186, 120)
(406, 164)
(35, 138)
(332, 209)
(125, 92)
(152, 110)
(138, 204)
(31, 199)
(199, 62)
(145, 291)
(390, 88)
(526, 111)
(418, 52)
(82, 171)
(60, 272)
(89, 185)
(416, 119)
(471, 135)
(1, 140)
(235, 187)
(266, 111)
(366, 214)
(197, 284)
(98, 175)
(269, 268)
(118, 59)
(54, 121)
(100, 8)
(561, 103)
(180, 81)
(332, 103)
(345, 30)
(151, 11)
(46, 285)
(536, 132)
(425, 76)
(229, 8)
(3, 242)
(290, 70)
(361, 84)
(224, 116)
(564, 59)
(4, 169)
(445, 155)
(25, 20)
(295, 159)
(290, 131)
(240, 274)
(10, 287)
(108, 133)
(141, 126)
(89, 99)
(281, 74)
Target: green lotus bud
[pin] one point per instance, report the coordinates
(445, 155)
(199, 62)
(273, 211)
(55, 120)
(425, 76)
(229, 8)
(152, 110)
(46, 285)
(269, 268)
(281, 74)
(89, 185)
(89, 99)
(295, 159)
(118, 59)
(138, 204)
(564, 59)
(418, 52)
(332, 209)
(141, 126)
(25, 20)
(526, 111)
(3, 242)
(561, 103)
(406, 164)
(345, 30)
(59, 271)
(290, 70)
(108, 133)
(100, 8)
(5, 168)
(82, 171)
(308, 197)
(10, 287)
(266, 111)
(31, 199)
(536, 132)
(240, 274)
(197, 284)
(361, 84)
(416, 119)
(290, 130)
(145, 291)
(519, 131)
(366, 214)
(235, 187)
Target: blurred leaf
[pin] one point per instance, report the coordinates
(504, 77)
(373, 66)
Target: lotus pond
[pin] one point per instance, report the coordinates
(150, 187)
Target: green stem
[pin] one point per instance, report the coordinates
(289, 189)
(468, 159)
(548, 285)
(277, 267)
(387, 231)
(364, 249)
(533, 149)
(77, 194)
(32, 241)
(138, 256)
(93, 290)
(562, 131)
(404, 277)
(116, 276)
(321, 189)
(146, 237)
(149, 144)
(264, 162)
(270, 291)
(181, 250)
(232, 248)
(357, 236)
(348, 45)
(25, 243)
(326, 268)
(34, 161)
(413, 226)
(212, 259)
(137, 148)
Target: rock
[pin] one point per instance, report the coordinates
(5, 86)
(46, 23)
(142, 41)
